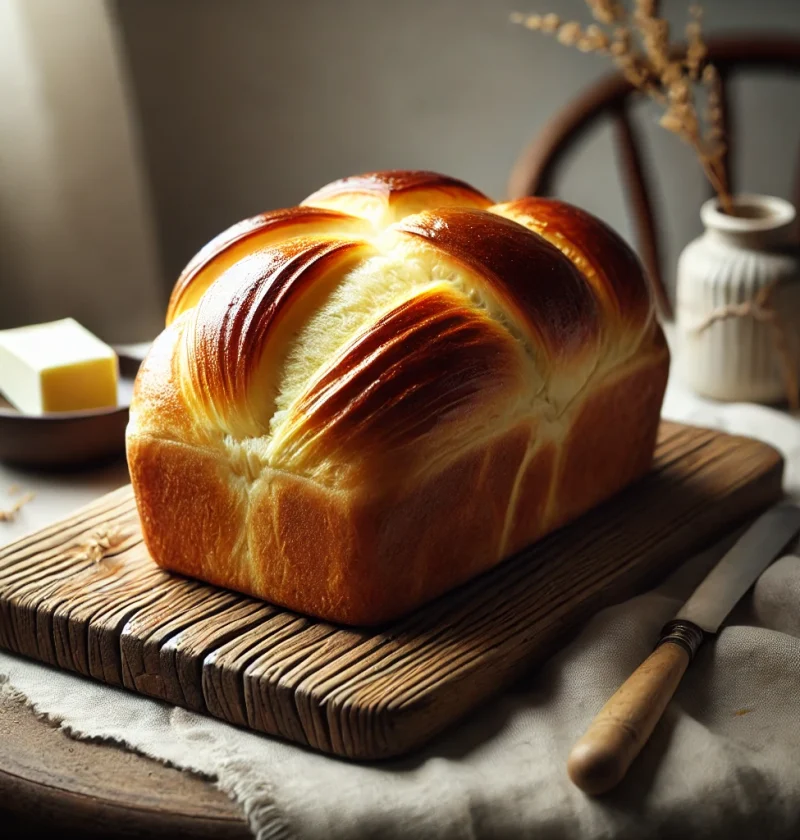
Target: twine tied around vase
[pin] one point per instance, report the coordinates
(761, 309)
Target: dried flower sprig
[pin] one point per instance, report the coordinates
(696, 49)
(638, 42)
(606, 11)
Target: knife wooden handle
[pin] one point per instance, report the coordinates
(600, 759)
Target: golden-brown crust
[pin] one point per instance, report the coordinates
(431, 361)
(385, 197)
(181, 490)
(601, 255)
(157, 399)
(245, 237)
(230, 351)
(353, 558)
(528, 520)
(611, 439)
(365, 401)
(552, 299)
(359, 556)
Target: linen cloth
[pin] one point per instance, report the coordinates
(723, 762)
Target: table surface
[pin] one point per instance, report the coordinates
(84, 788)
(79, 787)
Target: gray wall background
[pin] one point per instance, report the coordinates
(251, 104)
(238, 106)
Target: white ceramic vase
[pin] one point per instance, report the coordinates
(736, 257)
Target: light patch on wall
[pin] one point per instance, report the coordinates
(75, 234)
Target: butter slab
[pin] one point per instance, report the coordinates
(57, 366)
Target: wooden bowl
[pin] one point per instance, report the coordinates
(68, 438)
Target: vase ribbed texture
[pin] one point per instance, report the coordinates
(736, 359)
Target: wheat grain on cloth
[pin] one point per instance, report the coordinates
(724, 762)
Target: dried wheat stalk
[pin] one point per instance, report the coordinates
(99, 544)
(10, 514)
(639, 44)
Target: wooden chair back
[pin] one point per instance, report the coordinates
(535, 170)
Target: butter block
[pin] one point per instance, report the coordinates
(58, 366)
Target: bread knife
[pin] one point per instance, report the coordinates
(600, 759)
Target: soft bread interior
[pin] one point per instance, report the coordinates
(401, 271)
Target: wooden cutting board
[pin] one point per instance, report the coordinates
(85, 596)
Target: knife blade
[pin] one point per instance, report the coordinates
(601, 758)
(738, 570)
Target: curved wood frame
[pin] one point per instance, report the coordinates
(535, 170)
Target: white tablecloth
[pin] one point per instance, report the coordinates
(724, 762)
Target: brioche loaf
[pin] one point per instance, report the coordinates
(363, 401)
